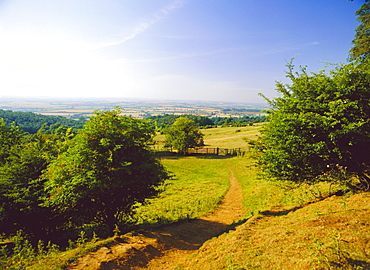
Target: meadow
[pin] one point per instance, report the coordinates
(223, 137)
(196, 188)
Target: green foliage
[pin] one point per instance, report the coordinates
(107, 168)
(32, 123)
(23, 160)
(246, 120)
(167, 120)
(319, 125)
(184, 134)
(361, 44)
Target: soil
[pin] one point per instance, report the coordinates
(167, 246)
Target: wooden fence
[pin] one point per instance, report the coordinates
(206, 151)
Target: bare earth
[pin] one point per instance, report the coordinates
(168, 246)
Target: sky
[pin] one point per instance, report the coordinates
(211, 50)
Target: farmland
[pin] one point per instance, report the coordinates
(77, 107)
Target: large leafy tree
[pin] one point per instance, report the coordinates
(107, 168)
(319, 127)
(361, 44)
(183, 134)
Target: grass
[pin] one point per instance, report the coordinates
(301, 228)
(198, 186)
(322, 235)
(196, 189)
(47, 257)
(230, 137)
(223, 137)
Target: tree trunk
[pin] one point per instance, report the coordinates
(110, 221)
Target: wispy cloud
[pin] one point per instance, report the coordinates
(314, 43)
(144, 26)
(178, 56)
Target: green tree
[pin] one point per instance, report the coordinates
(107, 168)
(361, 44)
(319, 127)
(21, 188)
(183, 134)
(32, 123)
(8, 138)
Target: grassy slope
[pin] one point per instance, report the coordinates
(280, 229)
(329, 234)
(290, 229)
(286, 229)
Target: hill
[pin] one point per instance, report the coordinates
(330, 233)
(327, 233)
(274, 227)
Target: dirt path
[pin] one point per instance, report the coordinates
(168, 246)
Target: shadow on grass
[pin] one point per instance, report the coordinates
(189, 234)
(287, 211)
(356, 264)
(233, 226)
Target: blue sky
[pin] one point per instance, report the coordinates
(216, 50)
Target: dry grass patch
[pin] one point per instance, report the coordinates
(230, 137)
(330, 234)
(223, 137)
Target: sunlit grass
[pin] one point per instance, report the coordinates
(284, 229)
(197, 187)
(230, 137)
(223, 137)
(49, 258)
(274, 235)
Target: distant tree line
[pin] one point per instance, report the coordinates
(238, 121)
(167, 120)
(239, 110)
(32, 122)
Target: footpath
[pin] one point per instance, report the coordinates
(167, 246)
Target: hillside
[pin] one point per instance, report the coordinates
(274, 229)
(332, 233)
(256, 225)
(309, 228)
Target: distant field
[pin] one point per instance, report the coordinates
(66, 113)
(224, 137)
(137, 108)
(230, 137)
